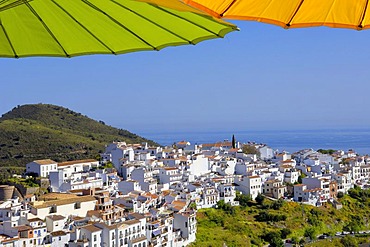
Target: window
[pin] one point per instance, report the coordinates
(77, 205)
(94, 237)
(53, 209)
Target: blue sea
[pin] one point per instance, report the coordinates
(289, 140)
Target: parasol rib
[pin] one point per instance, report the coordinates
(294, 14)
(79, 23)
(10, 42)
(156, 24)
(360, 26)
(46, 27)
(228, 7)
(118, 23)
(10, 5)
(217, 35)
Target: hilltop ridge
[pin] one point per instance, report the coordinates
(38, 131)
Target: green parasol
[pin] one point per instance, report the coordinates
(69, 28)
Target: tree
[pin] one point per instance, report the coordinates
(300, 177)
(193, 205)
(340, 194)
(285, 232)
(276, 242)
(244, 200)
(349, 241)
(295, 240)
(224, 206)
(260, 198)
(310, 232)
(250, 149)
(273, 238)
(233, 142)
(221, 204)
(277, 204)
(353, 226)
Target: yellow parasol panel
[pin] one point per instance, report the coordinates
(291, 13)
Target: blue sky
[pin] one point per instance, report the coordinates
(262, 77)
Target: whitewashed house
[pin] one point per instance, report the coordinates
(89, 236)
(344, 182)
(249, 185)
(13, 211)
(186, 224)
(128, 186)
(291, 176)
(307, 196)
(55, 222)
(198, 165)
(71, 167)
(274, 188)
(39, 230)
(327, 187)
(159, 230)
(169, 175)
(116, 151)
(41, 167)
(57, 239)
(209, 197)
(64, 205)
(227, 193)
(266, 153)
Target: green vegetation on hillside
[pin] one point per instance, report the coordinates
(270, 222)
(40, 131)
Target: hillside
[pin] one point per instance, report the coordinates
(257, 224)
(39, 131)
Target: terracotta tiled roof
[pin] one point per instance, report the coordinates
(59, 202)
(75, 162)
(45, 162)
(91, 228)
(56, 217)
(58, 233)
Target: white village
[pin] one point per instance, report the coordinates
(136, 195)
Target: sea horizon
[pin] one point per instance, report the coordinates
(287, 140)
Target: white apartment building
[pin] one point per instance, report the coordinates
(249, 185)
